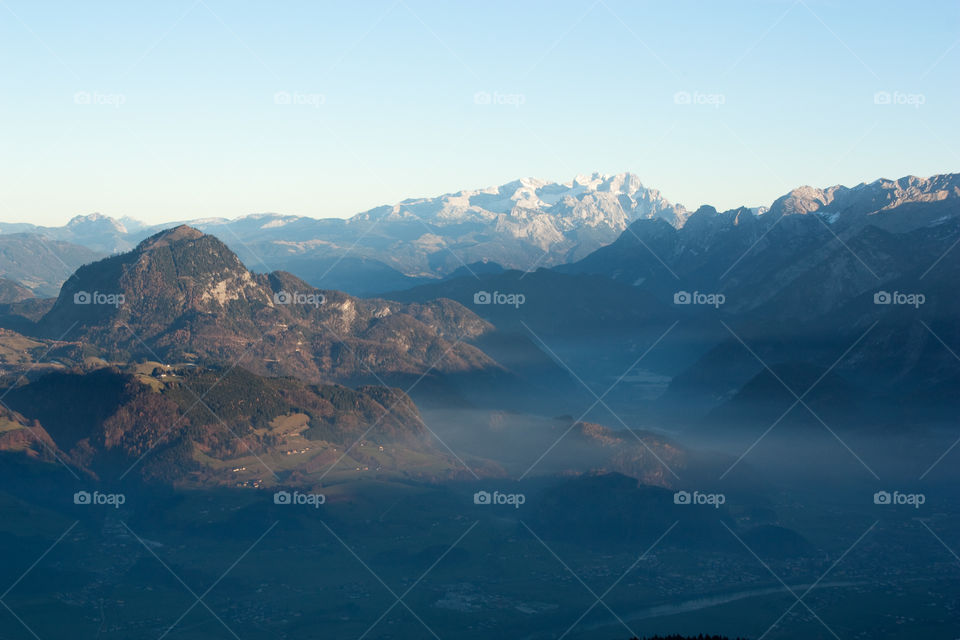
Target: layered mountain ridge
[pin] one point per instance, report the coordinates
(524, 224)
(796, 286)
(799, 284)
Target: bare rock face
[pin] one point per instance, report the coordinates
(519, 222)
(889, 204)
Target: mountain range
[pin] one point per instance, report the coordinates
(702, 392)
(798, 283)
(521, 224)
(524, 224)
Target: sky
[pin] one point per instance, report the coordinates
(187, 109)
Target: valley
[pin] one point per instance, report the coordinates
(206, 450)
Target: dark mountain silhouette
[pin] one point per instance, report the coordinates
(799, 283)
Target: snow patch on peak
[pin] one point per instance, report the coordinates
(562, 219)
(97, 219)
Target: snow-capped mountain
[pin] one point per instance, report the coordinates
(520, 224)
(524, 224)
(537, 209)
(95, 231)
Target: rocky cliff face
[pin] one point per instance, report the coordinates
(889, 204)
(520, 223)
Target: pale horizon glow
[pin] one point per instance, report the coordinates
(206, 108)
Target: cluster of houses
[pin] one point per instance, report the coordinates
(293, 452)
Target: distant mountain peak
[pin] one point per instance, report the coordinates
(871, 201)
(520, 224)
(95, 221)
(88, 217)
(624, 182)
(516, 222)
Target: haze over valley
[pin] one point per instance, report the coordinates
(713, 383)
(406, 320)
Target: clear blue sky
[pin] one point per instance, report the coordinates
(175, 109)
